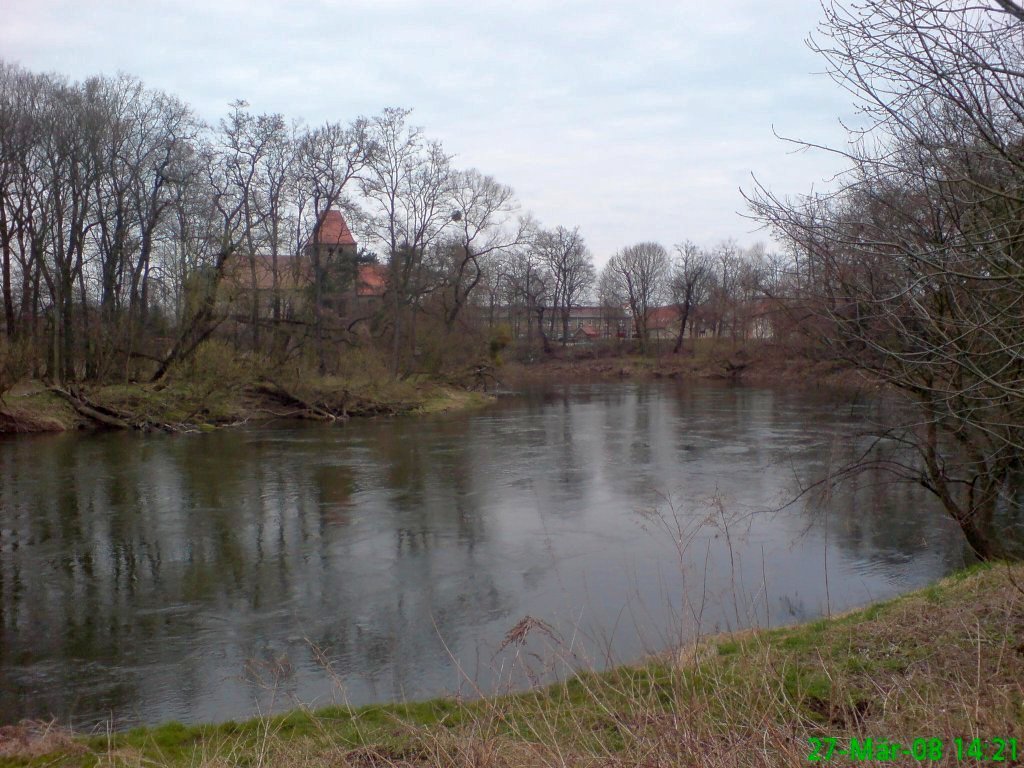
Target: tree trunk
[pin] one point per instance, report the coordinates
(5, 276)
(979, 529)
(540, 328)
(254, 314)
(684, 314)
(201, 325)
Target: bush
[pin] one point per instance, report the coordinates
(15, 363)
(501, 337)
(216, 364)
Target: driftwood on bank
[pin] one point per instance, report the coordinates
(306, 409)
(478, 377)
(90, 411)
(338, 406)
(109, 417)
(734, 370)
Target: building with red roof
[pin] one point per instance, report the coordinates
(663, 322)
(371, 280)
(353, 289)
(333, 232)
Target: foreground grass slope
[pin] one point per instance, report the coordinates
(944, 662)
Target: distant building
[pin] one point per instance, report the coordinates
(333, 236)
(349, 288)
(596, 322)
(663, 323)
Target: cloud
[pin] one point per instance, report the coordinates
(636, 120)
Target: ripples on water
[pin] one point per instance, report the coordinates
(146, 578)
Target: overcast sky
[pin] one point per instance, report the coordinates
(634, 120)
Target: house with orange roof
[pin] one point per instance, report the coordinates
(591, 323)
(663, 322)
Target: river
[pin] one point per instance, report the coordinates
(208, 577)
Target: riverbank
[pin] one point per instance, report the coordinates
(221, 389)
(942, 663)
(34, 407)
(755, 362)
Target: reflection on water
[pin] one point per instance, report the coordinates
(146, 578)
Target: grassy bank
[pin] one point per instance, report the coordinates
(944, 662)
(221, 388)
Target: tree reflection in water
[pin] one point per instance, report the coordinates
(190, 577)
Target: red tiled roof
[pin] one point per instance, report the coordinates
(334, 230)
(662, 317)
(372, 280)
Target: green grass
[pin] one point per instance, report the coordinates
(34, 409)
(945, 661)
(175, 402)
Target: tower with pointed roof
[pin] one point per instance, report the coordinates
(349, 286)
(333, 237)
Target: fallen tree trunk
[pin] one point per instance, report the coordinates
(307, 410)
(90, 411)
(108, 417)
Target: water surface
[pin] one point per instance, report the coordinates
(210, 577)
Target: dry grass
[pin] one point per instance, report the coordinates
(221, 387)
(34, 739)
(23, 421)
(28, 407)
(944, 662)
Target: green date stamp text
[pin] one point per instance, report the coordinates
(997, 750)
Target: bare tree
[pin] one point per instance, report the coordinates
(689, 284)
(481, 220)
(726, 263)
(221, 229)
(530, 286)
(75, 125)
(571, 267)
(18, 134)
(640, 272)
(408, 188)
(275, 203)
(259, 154)
(913, 268)
(329, 159)
(167, 134)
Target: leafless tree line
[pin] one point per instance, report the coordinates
(722, 291)
(719, 291)
(122, 214)
(131, 231)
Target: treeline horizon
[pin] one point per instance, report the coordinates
(122, 213)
